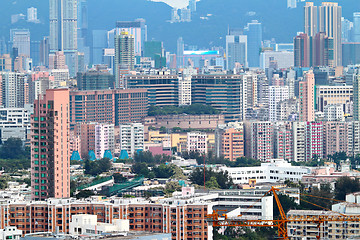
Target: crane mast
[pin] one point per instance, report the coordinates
(222, 220)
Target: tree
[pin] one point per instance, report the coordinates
(287, 204)
(178, 173)
(12, 165)
(13, 148)
(3, 182)
(321, 197)
(171, 187)
(338, 156)
(142, 169)
(97, 167)
(119, 178)
(222, 178)
(163, 171)
(212, 183)
(84, 194)
(344, 186)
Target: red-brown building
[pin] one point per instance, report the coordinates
(182, 220)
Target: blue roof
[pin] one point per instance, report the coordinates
(124, 154)
(107, 154)
(92, 156)
(75, 156)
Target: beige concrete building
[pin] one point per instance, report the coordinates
(333, 95)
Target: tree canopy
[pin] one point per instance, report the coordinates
(97, 167)
(161, 171)
(222, 179)
(13, 148)
(344, 186)
(150, 159)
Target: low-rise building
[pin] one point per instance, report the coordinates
(270, 172)
(184, 121)
(15, 122)
(197, 142)
(86, 224)
(10, 233)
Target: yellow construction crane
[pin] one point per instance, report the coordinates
(222, 220)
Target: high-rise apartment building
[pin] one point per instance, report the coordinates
(307, 97)
(97, 137)
(324, 20)
(356, 28)
(276, 94)
(63, 26)
(5, 63)
(258, 140)
(20, 39)
(132, 138)
(311, 51)
(14, 89)
(253, 31)
(229, 141)
(50, 158)
(63, 30)
(236, 51)
(124, 54)
(137, 29)
(314, 140)
(335, 137)
(283, 142)
(104, 139)
(330, 23)
(356, 85)
(302, 47)
(311, 19)
(197, 142)
(299, 141)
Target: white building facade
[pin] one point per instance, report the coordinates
(132, 138)
(274, 171)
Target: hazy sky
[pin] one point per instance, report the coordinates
(175, 3)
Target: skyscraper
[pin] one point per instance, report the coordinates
(50, 159)
(20, 39)
(99, 43)
(356, 29)
(311, 19)
(32, 15)
(180, 53)
(330, 24)
(63, 26)
(307, 97)
(124, 54)
(63, 29)
(192, 5)
(302, 56)
(322, 50)
(356, 85)
(236, 51)
(346, 30)
(137, 29)
(253, 31)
